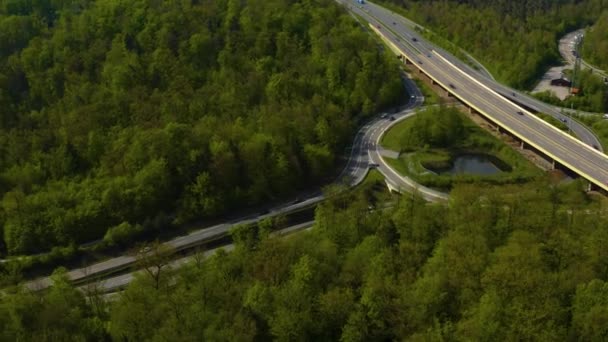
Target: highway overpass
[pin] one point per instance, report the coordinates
(560, 147)
(405, 27)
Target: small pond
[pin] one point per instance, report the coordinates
(475, 164)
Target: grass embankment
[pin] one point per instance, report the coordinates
(553, 121)
(372, 177)
(598, 125)
(418, 155)
(430, 97)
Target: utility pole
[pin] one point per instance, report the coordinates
(570, 116)
(577, 62)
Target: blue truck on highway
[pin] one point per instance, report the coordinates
(362, 2)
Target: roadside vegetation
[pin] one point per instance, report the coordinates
(120, 116)
(553, 121)
(593, 96)
(447, 45)
(595, 43)
(437, 135)
(598, 124)
(430, 96)
(515, 40)
(515, 262)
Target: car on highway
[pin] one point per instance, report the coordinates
(419, 62)
(383, 116)
(414, 39)
(412, 96)
(452, 86)
(564, 120)
(520, 112)
(373, 165)
(595, 147)
(394, 23)
(391, 118)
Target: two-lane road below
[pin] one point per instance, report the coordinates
(353, 174)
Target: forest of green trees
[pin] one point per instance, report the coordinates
(595, 43)
(495, 264)
(515, 39)
(119, 113)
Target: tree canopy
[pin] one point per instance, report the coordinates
(496, 263)
(515, 39)
(115, 112)
(595, 43)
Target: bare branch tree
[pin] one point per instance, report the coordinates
(153, 259)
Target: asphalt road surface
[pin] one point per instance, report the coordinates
(580, 157)
(118, 283)
(358, 165)
(402, 27)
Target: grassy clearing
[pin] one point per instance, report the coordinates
(372, 177)
(598, 125)
(392, 138)
(415, 163)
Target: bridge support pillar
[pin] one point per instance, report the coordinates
(589, 186)
(497, 128)
(432, 81)
(522, 145)
(553, 164)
